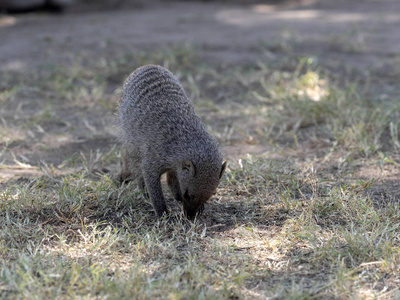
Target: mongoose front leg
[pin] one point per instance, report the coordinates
(173, 184)
(153, 185)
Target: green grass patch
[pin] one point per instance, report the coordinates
(314, 216)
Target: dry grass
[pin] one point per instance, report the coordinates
(315, 216)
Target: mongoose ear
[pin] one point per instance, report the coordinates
(222, 169)
(188, 166)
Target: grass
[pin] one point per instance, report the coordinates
(313, 217)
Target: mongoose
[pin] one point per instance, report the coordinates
(161, 133)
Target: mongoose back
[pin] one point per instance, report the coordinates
(161, 133)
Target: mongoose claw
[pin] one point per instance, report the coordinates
(201, 209)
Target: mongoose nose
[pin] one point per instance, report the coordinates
(191, 214)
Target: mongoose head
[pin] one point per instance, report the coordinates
(198, 183)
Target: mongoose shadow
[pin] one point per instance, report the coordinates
(161, 133)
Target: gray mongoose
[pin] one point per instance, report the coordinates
(161, 133)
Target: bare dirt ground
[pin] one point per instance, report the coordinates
(357, 34)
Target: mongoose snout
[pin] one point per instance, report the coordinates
(161, 133)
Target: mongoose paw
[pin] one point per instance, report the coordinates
(167, 218)
(175, 199)
(124, 178)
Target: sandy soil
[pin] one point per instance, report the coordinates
(361, 34)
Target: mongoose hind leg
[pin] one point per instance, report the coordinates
(130, 170)
(153, 185)
(125, 175)
(173, 184)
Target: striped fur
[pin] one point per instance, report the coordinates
(161, 133)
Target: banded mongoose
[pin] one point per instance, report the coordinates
(161, 133)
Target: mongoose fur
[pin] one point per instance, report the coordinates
(161, 133)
